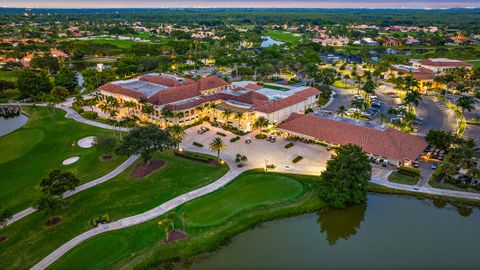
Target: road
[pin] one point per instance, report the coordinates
(343, 97)
(435, 115)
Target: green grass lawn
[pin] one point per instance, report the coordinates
(254, 197)
(116, 42)
(29, 240)
(31, 152)
(399, 178)
(283, 36)
(341, 84)
(9, 94)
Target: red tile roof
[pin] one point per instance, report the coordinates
(187, 91)
(117, 89)
(389, 143)
(429, 62)
(288, 101)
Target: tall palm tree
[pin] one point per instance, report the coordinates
(177, 133)
(226, 114)
(79, 100)
(213, 106)
(448, 170)
(261, 122)
(341, 111)
(412, 98)
(217, 145)
(239, 116)
(466, 103)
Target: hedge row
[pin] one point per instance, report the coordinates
(234, 139)
(409, 171)
(289, 145)
(297, 159)
(193, 156)
(90, 115)
(221, 134)
(197, 144)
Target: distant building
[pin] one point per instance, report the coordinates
(440, 65)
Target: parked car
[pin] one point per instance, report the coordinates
(415, 164)
(434, 166)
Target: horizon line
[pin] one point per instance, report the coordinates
(246, 7)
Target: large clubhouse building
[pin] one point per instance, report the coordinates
(183, 101)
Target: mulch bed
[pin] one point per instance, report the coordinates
(213, 161)
(175, 236)
(2, 238)
(105, 158)
(54, 221)
(142, 170)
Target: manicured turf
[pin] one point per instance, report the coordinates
(31, 152)
(274, 87)
(284, 36)
(116, 42)
(252, 198)
(29, 240)
(341, 84)
(399, 178)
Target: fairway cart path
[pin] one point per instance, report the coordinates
(146, 216)
(85, 186)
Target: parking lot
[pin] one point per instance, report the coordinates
(261, 152)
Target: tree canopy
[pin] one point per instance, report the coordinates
(345, 180)
(59, 182)
(144, 141)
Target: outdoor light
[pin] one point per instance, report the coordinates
(181, 149)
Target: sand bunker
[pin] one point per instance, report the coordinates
(86, 142)
(71, 160)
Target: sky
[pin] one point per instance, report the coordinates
(433, 4)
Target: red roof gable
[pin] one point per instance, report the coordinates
(117, 89)
(389, 143)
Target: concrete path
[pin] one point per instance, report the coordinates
(85, 186)
(143, 217)
(427, 190)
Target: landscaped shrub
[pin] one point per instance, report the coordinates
(234, 139)
(193, 156)
(77, 108)
(90, 115)
(100, 220)
(221, 134)
(289, 145)
(260, 136)
(197, 144)
(409, 171)
(297, 159)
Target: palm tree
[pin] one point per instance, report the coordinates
(213, 107)
(466, 103)
(239, 116)
(448, 169)
(341, 111)
(226, 114)
(261, 122)
(217, 145)
(79, 100)
(165, 228)
(177, 133)
(412, 98)
(428, 86)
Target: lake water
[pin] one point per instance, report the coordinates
(11, 124)
(268, 41)
(389, 232)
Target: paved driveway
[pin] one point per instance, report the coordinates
(260, 152)
(435, 115)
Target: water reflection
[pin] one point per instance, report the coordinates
(339, 224)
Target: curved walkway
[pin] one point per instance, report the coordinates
(85, 186)
(143, 217)
(427, 190)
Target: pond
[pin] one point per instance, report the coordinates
(389, 232)
(269, 41)
(11, 124)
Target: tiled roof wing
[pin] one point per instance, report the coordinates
(389, 143)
